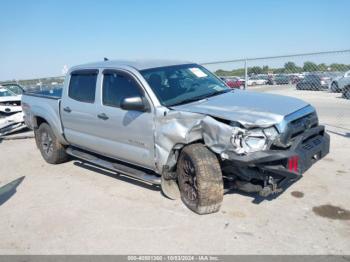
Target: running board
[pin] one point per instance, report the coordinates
(114, 166)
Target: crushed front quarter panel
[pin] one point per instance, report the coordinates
(174, 129)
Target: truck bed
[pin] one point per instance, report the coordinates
(43, 105)
(53, 93)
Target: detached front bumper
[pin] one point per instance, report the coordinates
(284, 166)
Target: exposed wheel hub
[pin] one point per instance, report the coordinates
(46, 143)
(189, 180)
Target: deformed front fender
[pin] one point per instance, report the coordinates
(175, 129)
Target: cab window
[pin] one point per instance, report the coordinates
(116, 87)
(82, 86)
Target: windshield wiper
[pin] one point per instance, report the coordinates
(220, 92)
(197, 98)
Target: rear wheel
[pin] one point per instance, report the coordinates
(51, 150)
(200, 179)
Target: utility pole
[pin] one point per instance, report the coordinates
(245, 74)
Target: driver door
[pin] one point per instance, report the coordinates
(126, 135)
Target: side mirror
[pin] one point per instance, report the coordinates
(135, 103)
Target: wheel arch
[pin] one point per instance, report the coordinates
(175, 152)
(40, 119)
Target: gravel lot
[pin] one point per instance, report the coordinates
(75, 209)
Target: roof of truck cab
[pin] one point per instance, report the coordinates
(137, 64)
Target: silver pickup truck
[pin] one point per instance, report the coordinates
(177, 125)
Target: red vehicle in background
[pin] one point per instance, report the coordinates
(233, 82)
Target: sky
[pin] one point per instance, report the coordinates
(39, 37)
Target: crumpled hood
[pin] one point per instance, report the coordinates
(248, 108)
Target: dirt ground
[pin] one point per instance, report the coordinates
(79, 209)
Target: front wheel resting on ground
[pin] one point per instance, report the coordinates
(52, 151)
(200, 179)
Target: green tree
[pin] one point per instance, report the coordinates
(238, 72)
(221, 72)
(291, 67)
(339, 67)
(310, 67)
(265, 69)
(322, 67)
(255, 70)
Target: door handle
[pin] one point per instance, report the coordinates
(102, 116)
(67, 109)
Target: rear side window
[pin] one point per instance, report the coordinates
(116, 87)
(82, 86)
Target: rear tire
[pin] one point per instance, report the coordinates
(200, 179)
(51, 150)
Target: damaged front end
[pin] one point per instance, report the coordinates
(253, 159)
(11, 115)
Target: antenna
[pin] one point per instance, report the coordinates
(105, 59)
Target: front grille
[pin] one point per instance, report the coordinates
(307, 146)
(11, 103)
(297, 127)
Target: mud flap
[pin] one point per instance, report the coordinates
(170, 188)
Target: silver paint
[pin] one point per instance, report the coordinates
(153, 139)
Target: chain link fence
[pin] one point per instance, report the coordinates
(322, 71)
(322, 79)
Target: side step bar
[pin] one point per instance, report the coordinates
(114, 166)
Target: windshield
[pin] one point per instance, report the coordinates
(174, 85)
(16, 89)
(5, 92)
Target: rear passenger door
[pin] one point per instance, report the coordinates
(78, 109)
(127, 135)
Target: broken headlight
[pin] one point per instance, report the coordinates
(247, 141)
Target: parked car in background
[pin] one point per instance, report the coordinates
(256, 80)
(338, 83)
(296, 78)
(233, 82)
(267, 79)
(11, 115)
(281, 80)
(314, 82)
